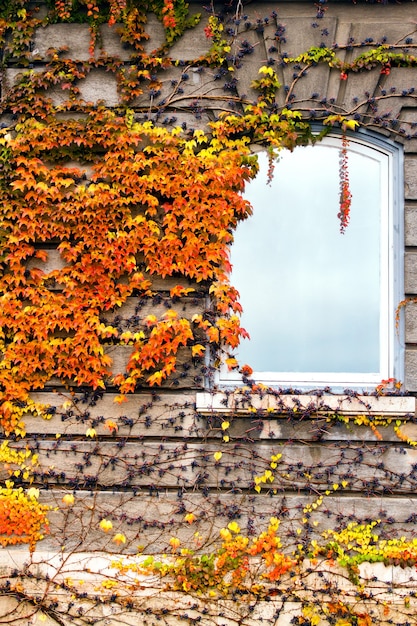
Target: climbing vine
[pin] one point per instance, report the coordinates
(99, 203)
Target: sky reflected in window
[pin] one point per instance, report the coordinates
(310, 295)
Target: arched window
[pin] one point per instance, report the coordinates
(320, 305)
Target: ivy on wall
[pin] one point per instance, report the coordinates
(126, 197)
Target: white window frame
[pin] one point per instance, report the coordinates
(391, 264)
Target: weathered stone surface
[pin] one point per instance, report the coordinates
(187, 465)
(411, 322)
(263, 405)
(383, 26)
(172, 415)
(410, 215)
(160, 414)
(148, 600)
(357, 91)
(193, 43)
(410, 272)
(12, 75)
(186, 88)
(411, 369)
(300, 35)
(410, 174)
(74, 37)
(149, 520)
(99, 85)
(408, 120)
(189, 372)
(401, 80)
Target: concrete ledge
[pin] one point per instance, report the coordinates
(246, 403)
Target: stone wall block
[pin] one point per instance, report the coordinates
(313, 83)
(75, 37)
(111, 44)
(411, 370)
(249, 64)
(213, 509)
(300, 34)
(410, 174)
(401, 80)
(408, 119)
(186, 88)
(392, 29)
(411, 322)
(156, 32)
(170, 416)
(99, 85)
(189, 372)
(410, 233)
(13, 75)
(182, 463)
(192, 44)
(410, 273)
(355, 98)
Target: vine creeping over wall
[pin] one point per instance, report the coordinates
(168, 200)
(155, 203)
(115, 227)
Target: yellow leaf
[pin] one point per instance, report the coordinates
(170, 315)
(150, 320)
(106, 525)
(197, 350)
(225, 534)
(217, 456)
(234, 527)
(68, 499)
(111, 425)
(174, 543)
(119, 538)
(350, 125)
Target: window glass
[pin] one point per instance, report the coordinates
(317, 303)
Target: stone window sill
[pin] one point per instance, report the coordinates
(244, 403)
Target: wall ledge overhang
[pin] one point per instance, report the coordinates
(246, 402)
